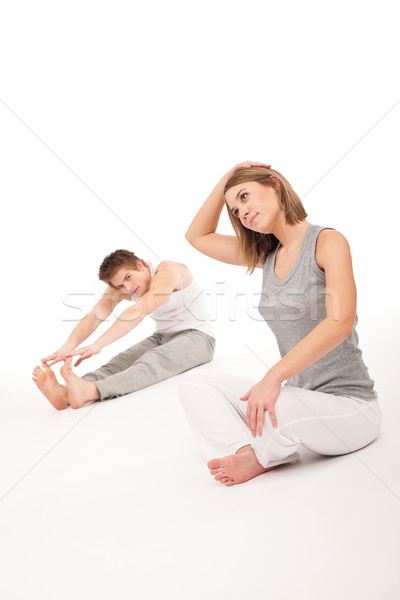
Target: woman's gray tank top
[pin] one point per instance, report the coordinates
(293, 306)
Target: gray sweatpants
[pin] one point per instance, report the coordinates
(154, 359)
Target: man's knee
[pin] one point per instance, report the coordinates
(208, 349)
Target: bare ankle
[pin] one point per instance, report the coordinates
(244, 449)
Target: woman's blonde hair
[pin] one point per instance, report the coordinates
(255, 246)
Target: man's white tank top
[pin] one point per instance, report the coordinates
(183, 309)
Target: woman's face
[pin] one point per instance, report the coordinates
(256, 205)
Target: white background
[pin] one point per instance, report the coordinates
(118, 118)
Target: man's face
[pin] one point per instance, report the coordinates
(131, 281)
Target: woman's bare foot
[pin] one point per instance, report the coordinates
(237, 468)
(79, 391)
(47, 383)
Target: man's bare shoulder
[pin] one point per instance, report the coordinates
(168, 265)
(181, 272)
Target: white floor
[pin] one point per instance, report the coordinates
(114, 500)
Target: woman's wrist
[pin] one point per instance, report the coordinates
(274, 375)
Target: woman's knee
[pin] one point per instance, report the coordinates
(190, 380)
(189, 386)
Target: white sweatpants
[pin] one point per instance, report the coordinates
(323, 423)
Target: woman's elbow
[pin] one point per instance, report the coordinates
(348, 330)
(347, 327)
(343, 328)
(190, 238)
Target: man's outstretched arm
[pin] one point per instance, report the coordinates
(99, 313)
(162, 285)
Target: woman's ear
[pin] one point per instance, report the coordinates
(275, 182)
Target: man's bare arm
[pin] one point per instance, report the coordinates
(162, 285)
(99, 313)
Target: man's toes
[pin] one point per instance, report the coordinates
(66, 369)
(215, 463)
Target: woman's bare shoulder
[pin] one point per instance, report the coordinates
(330, 244)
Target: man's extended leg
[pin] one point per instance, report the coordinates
(123, 360)
(79, 392)
(177, 352)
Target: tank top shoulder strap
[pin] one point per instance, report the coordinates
(310, 247)
(313, 232)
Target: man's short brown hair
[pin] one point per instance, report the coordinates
(116, 260)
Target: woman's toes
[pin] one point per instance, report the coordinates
(216, 471)
(224, 479)
(215, 463)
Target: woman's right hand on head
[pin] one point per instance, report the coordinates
(56, 357)
(244, 165)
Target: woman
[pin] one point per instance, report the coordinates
(308, 299)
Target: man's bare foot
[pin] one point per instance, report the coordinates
(79, 391)
(47, 383)
(237, 468)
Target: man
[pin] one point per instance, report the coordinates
(182, 340)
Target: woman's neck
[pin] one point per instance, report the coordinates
(290, 236)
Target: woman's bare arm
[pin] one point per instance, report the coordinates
(202, 231)
(334, 257)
